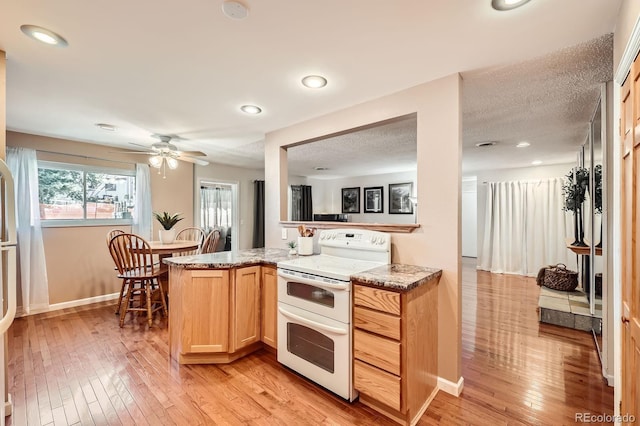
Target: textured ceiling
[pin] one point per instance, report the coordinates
(183, 68)
(383, 148)
(546, 101)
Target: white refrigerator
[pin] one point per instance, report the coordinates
(8, 242)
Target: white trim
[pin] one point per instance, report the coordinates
(8, 406)
(69, 304)
(630, 53)
(450, 387)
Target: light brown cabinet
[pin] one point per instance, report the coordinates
(246, 307)
(269, 307)
(395, 349)
(214, 314)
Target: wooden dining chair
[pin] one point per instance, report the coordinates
(134, 259)
(211, 242)
(191, 234)
(110, 236)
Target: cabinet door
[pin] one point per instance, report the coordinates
(269, 306)
(246, 302)
(205, 307)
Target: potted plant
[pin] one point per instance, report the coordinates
(168, 221)
(292, 247)
(574, 189)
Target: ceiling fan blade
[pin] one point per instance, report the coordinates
(193, 153)
(193, 160)
(140, 145)
(126, 151)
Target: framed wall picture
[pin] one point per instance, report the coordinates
(399, 198)
(351, 200)
(373, 200)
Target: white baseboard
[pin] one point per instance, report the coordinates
(610, 380)
(70, 304)
(451, 388)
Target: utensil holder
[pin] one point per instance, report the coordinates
(305, 246)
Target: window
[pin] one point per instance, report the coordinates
(73, 195)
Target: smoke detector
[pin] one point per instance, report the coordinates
(235, 9)
(486, 144)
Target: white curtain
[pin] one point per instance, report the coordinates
(143, 214)
(32, 268)
(525, 227)
(216, 207)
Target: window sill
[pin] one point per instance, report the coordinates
(382, 227)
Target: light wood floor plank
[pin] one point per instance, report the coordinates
(77, 366)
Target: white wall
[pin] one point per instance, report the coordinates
(469, 217)
(327, 196)
(229, 174)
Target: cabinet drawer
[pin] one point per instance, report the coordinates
(377, 322)
(375, 298)
(378, 351)
(377, 384)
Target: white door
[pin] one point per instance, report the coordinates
(469, 217)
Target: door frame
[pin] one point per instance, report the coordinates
(235, 197)
(623, 69)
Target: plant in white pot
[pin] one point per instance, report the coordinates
(168, 221)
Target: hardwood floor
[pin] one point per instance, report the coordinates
(78, 367)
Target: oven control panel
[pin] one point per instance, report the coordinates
(355, 239)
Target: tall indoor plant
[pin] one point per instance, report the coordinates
(168, 221)
(575, 187)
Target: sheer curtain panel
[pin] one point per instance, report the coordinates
(143, 214)
(525, 227)
(32, 268)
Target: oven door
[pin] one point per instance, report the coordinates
(316, 347)
(332, 300)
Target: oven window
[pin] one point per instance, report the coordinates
(310, 293)
(311, 346)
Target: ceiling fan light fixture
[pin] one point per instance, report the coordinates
(155, 161)
(172, 163)
(251, 109)
(44, 35)
(503, 5)
(314, 81)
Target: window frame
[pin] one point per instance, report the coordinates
(66, 223)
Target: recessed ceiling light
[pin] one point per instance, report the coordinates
(251, 109)
(235, 9)
(44, 35)
(320, 168)
(523, 144)
(314, 81)
(485, 144)
(536, 162)
(105, 126)
(507, 4)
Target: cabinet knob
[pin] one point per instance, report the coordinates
(625, 320)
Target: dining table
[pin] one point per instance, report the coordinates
(164, 250)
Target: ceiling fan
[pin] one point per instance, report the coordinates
(164, 153)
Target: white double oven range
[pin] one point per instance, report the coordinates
(314, 305)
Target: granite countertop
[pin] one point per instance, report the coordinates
(230, 259)
(397, 276)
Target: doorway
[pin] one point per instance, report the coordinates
(217, 208)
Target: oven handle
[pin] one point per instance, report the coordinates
(314, 283)
(311, 323)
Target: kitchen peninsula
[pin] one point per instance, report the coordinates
(223, 306)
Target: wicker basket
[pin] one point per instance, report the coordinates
(558, 277)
